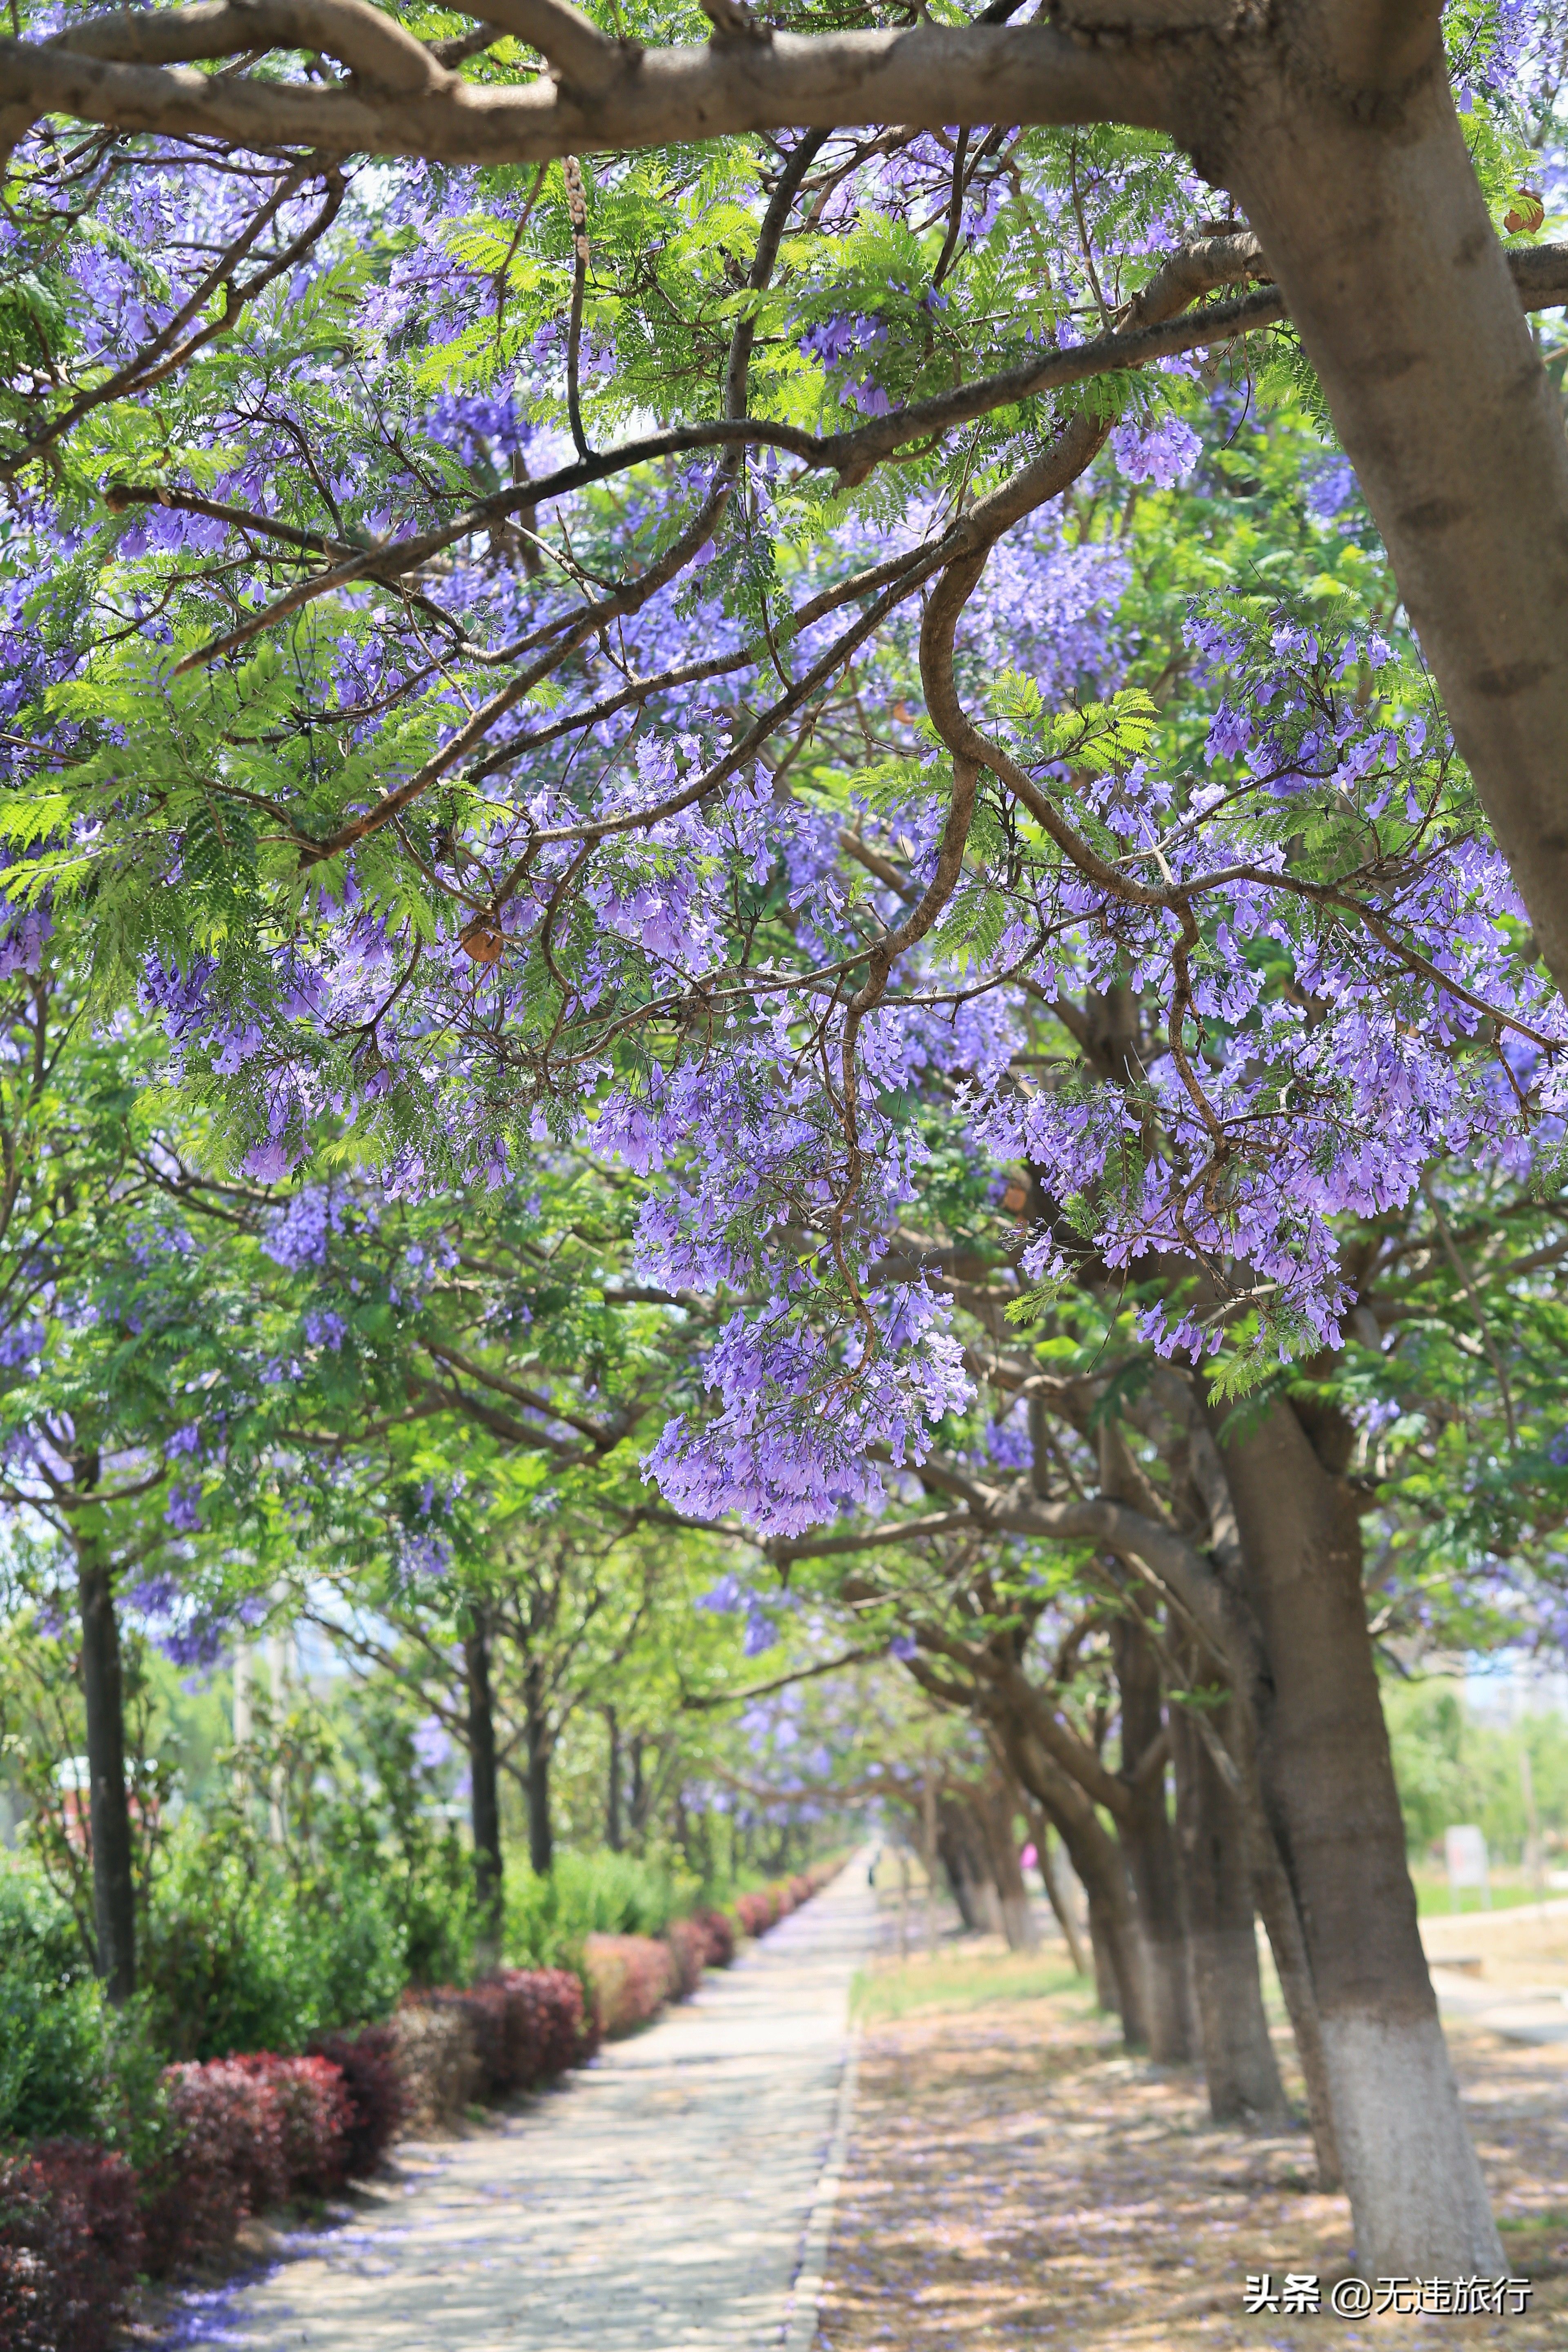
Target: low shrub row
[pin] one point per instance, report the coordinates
(632, 1978)
(717, 1932)
(232, 2136)
(632, 1975)
(377, 2097)
(764, 1907)
(687, 1943)
(242, 2134)
(520, 2026)
(438, 2067)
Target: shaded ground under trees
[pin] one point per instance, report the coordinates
(1015, 2180)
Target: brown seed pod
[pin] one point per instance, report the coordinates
(482, 940)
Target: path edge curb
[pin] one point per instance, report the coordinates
(804, 2303)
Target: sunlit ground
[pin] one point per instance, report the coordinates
(1015, 2181)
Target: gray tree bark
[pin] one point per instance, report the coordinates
(1239, 2065)
(1327, 1780)
(1150, 1847)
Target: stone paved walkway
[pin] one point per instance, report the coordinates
(658, 2201)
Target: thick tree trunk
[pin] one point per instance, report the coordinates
(1107, 1990)
(1151, 1849)
(1328, 1788)
(613, 1837)
(109, 1810)
(1238, 2056)
(1353, 167)
(536, 1731)
(484, 1791)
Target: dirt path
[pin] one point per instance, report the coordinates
(659, 2201)
(1012, 2182)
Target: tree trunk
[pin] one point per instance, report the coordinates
(1150, 1848)
(484, 1792)
(995, 1810)
(109, 1810)
(1238, 2056)
(1114, 1927)
(953, 1841)
(1282, 1923)
(1353, 167)
(1053, 1868)
(612, 1838)
(1328, 1788)
(639, 1793)
(536, 1729)
(1107, 1989)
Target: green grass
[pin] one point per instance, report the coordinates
(1432, 1899)
(957, 1981)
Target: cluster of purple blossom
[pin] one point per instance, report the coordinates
(639, 927)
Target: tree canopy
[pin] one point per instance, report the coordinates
(784, 821)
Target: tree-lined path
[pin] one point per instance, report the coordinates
(660, 2202)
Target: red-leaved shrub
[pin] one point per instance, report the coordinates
(377, 2102)
(688, 1948)
(526, 2024)
(717, 1932)
(70, 2244)
(313, 2116)
(224, 2161)
(632, 1977)
(757, 1911)
(546, 2028)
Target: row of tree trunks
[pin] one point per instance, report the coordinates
(1307, 1794)
(1170, 1907)
(978, 1851)
(962, 1853)
(1121, 1967)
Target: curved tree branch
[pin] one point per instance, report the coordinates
(403, 103)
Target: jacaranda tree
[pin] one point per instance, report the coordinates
(505, 649)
